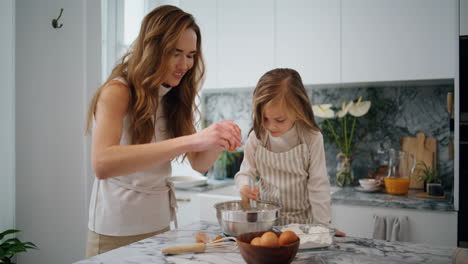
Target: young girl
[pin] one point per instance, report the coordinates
(141, 119)
(285, 150)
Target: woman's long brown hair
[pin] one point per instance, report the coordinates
(284, 86)
(144, 67)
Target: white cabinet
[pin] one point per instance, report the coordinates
(245, 42)
(238, 40)
(208, 199)
(188, 207)
(308, 39)
(463, 17)
(204, 12)
(398, 40)
(328, 41)
(428, 227)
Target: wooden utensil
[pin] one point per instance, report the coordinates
(225, 244)
(450, 104)
(424, 149)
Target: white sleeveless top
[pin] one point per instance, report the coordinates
(137, 203)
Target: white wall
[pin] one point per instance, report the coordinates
(54, 68)
(7, 115)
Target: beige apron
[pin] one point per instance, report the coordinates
(152, 191)
(283, 179)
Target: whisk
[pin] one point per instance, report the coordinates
(224, 244)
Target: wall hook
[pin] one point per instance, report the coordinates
(55, 21)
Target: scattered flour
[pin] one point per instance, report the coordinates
(314, 236)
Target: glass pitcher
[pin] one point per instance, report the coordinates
(400, 167)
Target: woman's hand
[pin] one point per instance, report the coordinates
(225, 134)
(338, 233)
(246, 193)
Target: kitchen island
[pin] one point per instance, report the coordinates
(343, 250)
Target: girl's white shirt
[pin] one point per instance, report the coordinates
(318, 183)
(118, 211)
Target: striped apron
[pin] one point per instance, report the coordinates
(283, 179)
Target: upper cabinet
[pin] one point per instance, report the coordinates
(238, 40)
(307, 38)
(328, 41)
(245, 42)
(204, 12)
(386, 40)
(463, 17)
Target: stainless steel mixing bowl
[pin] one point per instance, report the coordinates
(236, 217)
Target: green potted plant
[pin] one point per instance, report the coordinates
(10, 247)
(430, 176)
(226, 165)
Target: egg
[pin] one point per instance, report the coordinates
(287, 237)
(256, 242)
(231, 149)
(202, 237)
(269, 239)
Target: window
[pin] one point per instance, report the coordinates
(121, 25)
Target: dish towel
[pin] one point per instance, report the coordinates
(460, 256)
(391, 228)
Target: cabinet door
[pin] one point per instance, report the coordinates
(398, 39)
(204, 12)
(429, 227)
(463, 17)
(308, 39)
(245, 42)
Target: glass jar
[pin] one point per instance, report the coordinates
(400, 167)
(344, 170)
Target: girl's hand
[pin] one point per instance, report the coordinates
(246, 193)
(225, 134)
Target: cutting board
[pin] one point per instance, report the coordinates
(424, 149)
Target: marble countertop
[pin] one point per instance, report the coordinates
(351, 196)
(343, 250)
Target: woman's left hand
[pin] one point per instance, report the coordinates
(338, 233)
(225, 134)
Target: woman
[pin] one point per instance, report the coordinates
(142, 118)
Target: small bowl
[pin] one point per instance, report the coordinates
(368, 183)
(261, 255)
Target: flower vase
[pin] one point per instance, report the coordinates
(344, 170)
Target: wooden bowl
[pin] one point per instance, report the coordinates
(265, 255)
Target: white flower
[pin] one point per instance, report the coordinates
(323, 111)
(360, 108)
(344, 109)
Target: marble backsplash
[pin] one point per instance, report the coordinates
(399, 109)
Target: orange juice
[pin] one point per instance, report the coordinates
(397, 185)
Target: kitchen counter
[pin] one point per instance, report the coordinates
(343, 250)
(349, 196)
(211, 184)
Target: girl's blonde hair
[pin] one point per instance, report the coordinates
(284, 86)
(144, 67)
